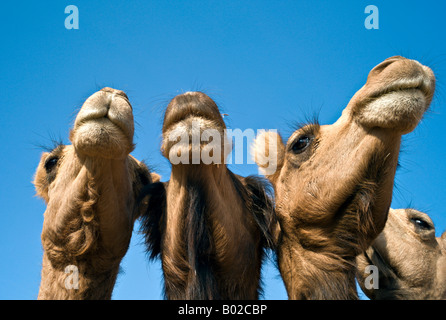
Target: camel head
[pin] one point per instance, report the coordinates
(91, 186)
(193, 131)
(333, 183)
(410, 260)
(103, 130)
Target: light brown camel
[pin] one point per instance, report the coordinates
(211, 226)
(90, 188)
(333, 183)
(410, 260)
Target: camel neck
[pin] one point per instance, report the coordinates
(209, 238)
(201, 173)
(76, 279)
(311, 275)
(87, 229)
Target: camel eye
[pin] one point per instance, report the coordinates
(50, 163)
(301, 144)
(421, 224)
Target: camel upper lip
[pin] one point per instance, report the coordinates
(183, 116)
(191, 104)
(115, 121)
(118, 116)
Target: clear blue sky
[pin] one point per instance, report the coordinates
(266, 63)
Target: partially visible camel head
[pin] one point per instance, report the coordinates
(104, 126)
(193, 130)
(410, 260)
(397, 93)
(333, 183)
(90, 188)
(213, 225)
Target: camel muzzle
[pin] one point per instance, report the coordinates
(104, 125)
(194, 131)
(397, 93)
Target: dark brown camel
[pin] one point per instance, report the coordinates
(209, 226)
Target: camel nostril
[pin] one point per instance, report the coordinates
(115, 91)
(394, 58)
(121, 93)
(383, 65)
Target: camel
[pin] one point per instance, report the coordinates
(209, 226)
(90, 188)
(410, 260)
(333, 183)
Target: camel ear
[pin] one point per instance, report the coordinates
(155, 177)
(268, 151)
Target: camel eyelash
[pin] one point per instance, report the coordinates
(311, 129)
(307, 129)
(57, 150)
(309, 122)
(51, 147)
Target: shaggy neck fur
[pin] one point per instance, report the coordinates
(310, 275)
(210, 237)
(213, 234)
(82, 228)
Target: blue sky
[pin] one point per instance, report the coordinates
(266, 63)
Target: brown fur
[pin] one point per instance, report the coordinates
(411, 261)
(214, 225)
(333, 195)
(90, 189)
